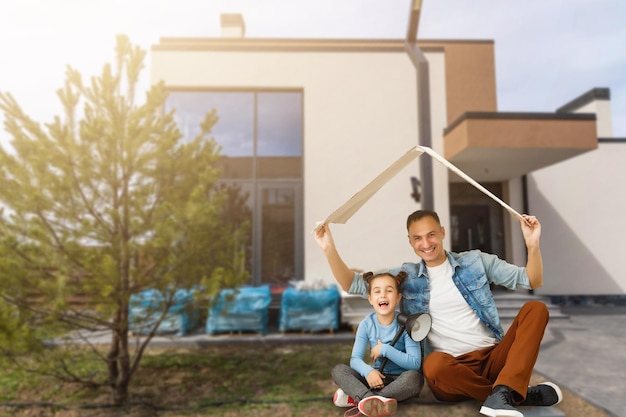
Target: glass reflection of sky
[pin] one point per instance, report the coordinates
(280, 124)
(235, 111)
(279, 120)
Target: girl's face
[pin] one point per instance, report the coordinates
(384, 295)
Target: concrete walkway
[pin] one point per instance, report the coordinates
(587, 355)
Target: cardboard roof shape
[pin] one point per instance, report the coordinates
(350, 207)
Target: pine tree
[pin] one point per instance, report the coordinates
(102, 203)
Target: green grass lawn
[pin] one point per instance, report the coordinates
(213, 381)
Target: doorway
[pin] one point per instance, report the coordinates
(470, 228)
(476, 221)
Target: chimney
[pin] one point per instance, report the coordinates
(233, 25)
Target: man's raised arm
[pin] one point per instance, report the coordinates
(340, 270)
(534, 264)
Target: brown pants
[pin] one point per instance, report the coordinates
(510, 362)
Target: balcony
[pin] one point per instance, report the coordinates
(498, 146)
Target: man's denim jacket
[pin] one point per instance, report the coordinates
(473, 272)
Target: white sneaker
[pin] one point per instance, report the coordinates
(341, 399)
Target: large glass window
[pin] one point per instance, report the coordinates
(260, 134)
(279, 124)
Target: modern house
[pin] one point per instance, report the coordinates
(304, 124)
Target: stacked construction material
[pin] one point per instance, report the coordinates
(241, 309)
(310, 309)
(148, 306)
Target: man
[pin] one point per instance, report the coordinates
(471, 356)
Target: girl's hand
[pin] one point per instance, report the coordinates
(375, 379)
(375, 351)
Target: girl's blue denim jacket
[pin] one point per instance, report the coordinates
(473, 271)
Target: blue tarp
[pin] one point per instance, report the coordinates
(147, 306)
(311, 310)
(241, 309)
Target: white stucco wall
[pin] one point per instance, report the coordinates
(602, 110)
(581, 206)
(360, 115)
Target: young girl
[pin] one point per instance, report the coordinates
(363, 386)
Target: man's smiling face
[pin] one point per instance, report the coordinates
(426, 238)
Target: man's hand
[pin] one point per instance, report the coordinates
(340, 270)
(324, 238)
(531, 228)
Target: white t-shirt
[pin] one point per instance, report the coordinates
(456, 329)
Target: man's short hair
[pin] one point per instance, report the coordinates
(420, 214)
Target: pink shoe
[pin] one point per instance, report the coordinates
(377, 406)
